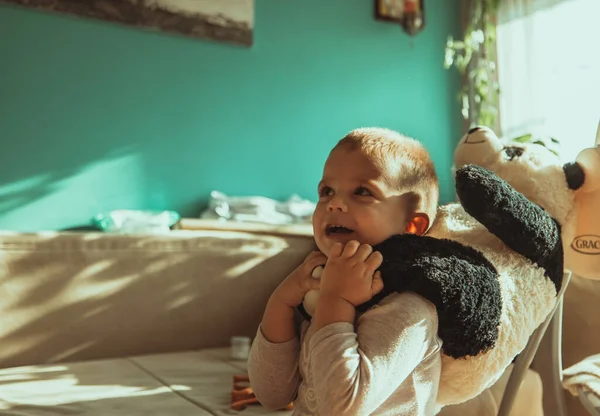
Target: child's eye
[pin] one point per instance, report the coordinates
(325, 191)
(362, 191)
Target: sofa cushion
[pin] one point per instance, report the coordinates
(68, 297)
(103, 387)
(208, 376)
(188, 383)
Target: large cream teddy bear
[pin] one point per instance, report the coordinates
(569, 193)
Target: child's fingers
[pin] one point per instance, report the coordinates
(350, 248)
(363, 252)
(336, 250)
(312, 284)
(374, 260)
(316, 260)
(377, 283)
(313, 255)
(312, 264)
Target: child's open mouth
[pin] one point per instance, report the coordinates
(335, 229)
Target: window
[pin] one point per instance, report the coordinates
(549, 70)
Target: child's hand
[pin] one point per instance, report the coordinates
(350, 273)
(292, 290)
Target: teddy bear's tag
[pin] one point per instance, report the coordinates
(310, 300)
(318, 272)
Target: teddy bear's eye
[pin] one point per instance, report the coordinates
(513, 151)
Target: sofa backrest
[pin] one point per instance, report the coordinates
(74, 296)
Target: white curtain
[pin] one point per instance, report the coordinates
(549, 70)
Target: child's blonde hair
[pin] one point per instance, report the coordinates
(407, 164)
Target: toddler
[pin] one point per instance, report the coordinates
(376, 183)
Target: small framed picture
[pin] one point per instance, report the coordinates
(408, 13)
(389, 10)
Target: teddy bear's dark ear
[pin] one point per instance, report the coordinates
(574, 175)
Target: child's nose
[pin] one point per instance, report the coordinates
(337, 204)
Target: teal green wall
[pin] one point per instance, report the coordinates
(96, 116)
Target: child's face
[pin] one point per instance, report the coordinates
(356, 202)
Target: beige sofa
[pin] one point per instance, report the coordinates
(103, 324)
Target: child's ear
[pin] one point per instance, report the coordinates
(418, 224)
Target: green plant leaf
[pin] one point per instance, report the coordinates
(474, 57)
(523, 139)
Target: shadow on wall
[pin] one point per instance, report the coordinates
(92, 177)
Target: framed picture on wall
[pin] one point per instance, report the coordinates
(410, 14)
(222, 20)
(389, 10)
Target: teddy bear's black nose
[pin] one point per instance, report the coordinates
(574, 175)
(474, 129)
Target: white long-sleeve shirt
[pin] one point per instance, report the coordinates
(388, 363)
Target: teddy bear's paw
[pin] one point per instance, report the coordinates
(478, 189)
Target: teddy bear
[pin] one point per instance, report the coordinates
(570, 191)
(492, 263)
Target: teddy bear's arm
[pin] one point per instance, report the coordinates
(459, 280)
(522, 225)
